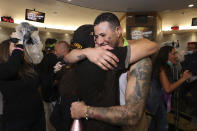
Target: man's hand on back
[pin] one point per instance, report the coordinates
(101, 57)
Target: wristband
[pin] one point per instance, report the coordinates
(87, 112)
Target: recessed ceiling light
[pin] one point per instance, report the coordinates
(191, 5)
(69, 0)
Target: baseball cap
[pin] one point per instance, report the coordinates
(83, 37)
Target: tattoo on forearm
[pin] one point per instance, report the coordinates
(137, 91)
(80, 57)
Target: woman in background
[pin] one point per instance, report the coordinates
(165, 80)
(22, 108)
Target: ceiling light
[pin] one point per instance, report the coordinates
(191, 5)
(69, 0)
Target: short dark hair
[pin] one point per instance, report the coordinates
(108, 17)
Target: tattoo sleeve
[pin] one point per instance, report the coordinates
(136, 92)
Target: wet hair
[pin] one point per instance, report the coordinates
(108, 17)
(161, 59)
(4, 51)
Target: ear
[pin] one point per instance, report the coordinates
(119, 31)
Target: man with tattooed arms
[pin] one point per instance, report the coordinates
(108, 35)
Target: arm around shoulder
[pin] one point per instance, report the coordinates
(74, 56)
(142, 48)
(98, 56)
(136, 93)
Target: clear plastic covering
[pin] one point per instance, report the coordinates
(31, 41)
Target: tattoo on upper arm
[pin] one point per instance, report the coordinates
(142, 73)
(80, 57)
(139, 84)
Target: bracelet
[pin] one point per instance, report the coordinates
(87, 112)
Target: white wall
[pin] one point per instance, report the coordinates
(183, 38)
(181, 18)
(6, 31)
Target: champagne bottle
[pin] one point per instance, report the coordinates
(77, 125)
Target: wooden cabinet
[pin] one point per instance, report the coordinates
(141, 23)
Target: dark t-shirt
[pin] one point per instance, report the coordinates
(190, 63)
(21, 97)
(97, 87)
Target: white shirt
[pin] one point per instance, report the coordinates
(122, 87)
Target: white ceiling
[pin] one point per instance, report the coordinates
(57, 14)
(132, 5)
(67, 16)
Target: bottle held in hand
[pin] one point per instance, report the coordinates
(77, 125)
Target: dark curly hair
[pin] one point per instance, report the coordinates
(161, 59)
(108, 17)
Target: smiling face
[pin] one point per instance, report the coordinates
(106, 35)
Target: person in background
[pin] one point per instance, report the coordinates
(49, 59)
(23, 108)
(49, 45)
(45, 71)
(61, 48)
(190, 63)
(165, 80)
(66, 85)
(46, 75)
